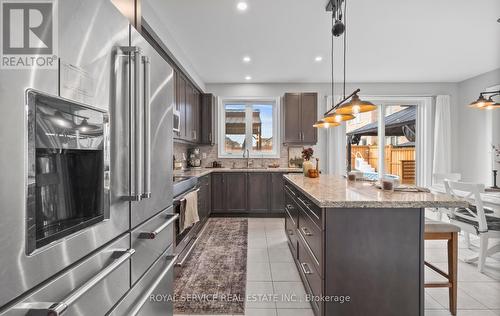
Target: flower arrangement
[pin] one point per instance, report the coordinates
(307, 153)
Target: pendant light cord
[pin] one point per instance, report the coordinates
(345, 39)
(332, 55)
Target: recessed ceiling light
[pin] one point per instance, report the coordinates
(246, 59)
(248, 77)
(242, 6)
(318, 58)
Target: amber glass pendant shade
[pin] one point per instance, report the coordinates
(491, 107)
(323, 124)
(335, 117)
(355, 106)
(482, 102)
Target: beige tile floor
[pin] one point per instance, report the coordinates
(270, 270)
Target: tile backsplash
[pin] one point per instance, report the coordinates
(211, 155)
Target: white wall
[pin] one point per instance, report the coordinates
(324, 89)
(148, 12)
(475, 129)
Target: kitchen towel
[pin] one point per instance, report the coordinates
(191, 210)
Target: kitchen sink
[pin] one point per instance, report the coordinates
(250, 168)
(183, 184)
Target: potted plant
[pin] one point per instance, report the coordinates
(307, 154)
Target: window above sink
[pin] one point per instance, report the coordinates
(249, 124)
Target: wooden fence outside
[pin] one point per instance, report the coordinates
(393, 159)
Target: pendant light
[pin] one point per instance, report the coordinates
(323, 124)
(342, 111)
(86, 128)
(356, 106)
(487, 104)
(338, 117)
(328, 122)
(60, 121)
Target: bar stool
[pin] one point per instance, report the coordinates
(435, 230)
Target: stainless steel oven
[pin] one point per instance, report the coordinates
(68, 169)
(184, 239)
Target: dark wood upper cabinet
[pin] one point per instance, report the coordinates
(300, 113)
(258, 191)
(188, 104)
(207, 119)
(309, 110)
(195, 115)
(292, 118)
(189, 113)
(236, 191)
(181, 104)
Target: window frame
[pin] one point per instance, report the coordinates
(248, 102)
(424, 126)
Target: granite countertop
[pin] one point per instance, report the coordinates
(204, 171)
(329, 191)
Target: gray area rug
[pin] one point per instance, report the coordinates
(213, 279)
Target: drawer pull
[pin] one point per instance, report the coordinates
(289, 206)
(305, 268)
(59, 308)
(154, 233)
(306, 231)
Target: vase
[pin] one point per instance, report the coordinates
(306, 166)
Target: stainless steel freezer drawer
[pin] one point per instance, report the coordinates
(153, 292)
(91, 287)
(150, 240)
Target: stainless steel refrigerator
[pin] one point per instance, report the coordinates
(58, 255)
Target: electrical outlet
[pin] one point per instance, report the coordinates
(204, 155)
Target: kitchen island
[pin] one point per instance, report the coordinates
(359, 250)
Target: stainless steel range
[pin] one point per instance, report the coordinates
(86, 186)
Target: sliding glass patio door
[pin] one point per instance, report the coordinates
(383, 142)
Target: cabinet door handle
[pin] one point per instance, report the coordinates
(305, 268)
(306, 231)
(290, 232)
(210, 137)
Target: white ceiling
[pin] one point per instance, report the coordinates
(388, 40)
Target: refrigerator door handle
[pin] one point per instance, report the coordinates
(147, 128)
(138, 121)
(135, 194)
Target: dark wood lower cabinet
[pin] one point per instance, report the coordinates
(258, 192)
(373, 256)
(248, 192)
(277, 197)
(218, 194)
(235, 188)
